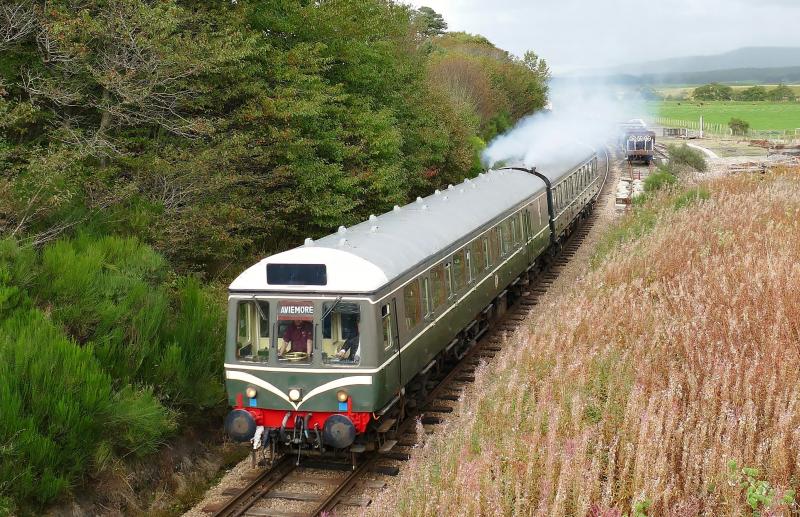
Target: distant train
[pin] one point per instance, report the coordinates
(328, 343)
(637, 142)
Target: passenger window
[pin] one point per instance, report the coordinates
(500, 243)
(448, 270)
(476, 258)
(459, 270)
(344, 348)
(389, 338)
(438, 286)
(487, 258)
(508, 236)
(252, 340)
(514, 231)
(496, 237)
(426, 296)
(468, 266)
(412, 303)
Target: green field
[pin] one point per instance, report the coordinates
(760, 115)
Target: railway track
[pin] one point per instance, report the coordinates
(315, 486)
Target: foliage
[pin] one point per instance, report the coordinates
(659, 179)
(63, 417)
(713, 92)
(781, 93)
(684, 155)
(738, 126)
(596, 396)
(758, 493)
(429, 23)
(754, 93)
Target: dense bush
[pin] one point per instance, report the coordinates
(659, 179)
(739, 126)
(62, 414)
(683, 155)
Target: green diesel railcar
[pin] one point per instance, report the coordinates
(327, 339)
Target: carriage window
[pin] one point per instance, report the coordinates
(487, 256)
(252, 336)
(459, 271)
(413, 304)
(468, 265)
(448, 273)
(426, 296)
(497, 242)
(514, 231)
(439, 287)
(476, 258)
(295, 332)
(342, 347)
(508, 235)
(539, 212)
(389, 337)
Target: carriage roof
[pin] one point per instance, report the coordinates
(372, 254)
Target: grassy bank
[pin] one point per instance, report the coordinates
(761, 115)
(669, 384)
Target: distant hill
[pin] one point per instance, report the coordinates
(743, 58)
(751, 65)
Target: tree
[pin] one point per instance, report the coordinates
(754, 93)
(713, 92)
(536, 64)
(739, 126)
(781, 93)
(429, 23)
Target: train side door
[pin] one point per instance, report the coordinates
(391, 344)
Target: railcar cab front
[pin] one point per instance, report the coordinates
(302, 360)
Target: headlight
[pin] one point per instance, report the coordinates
(294, 394)
(342, 396)
(251, 392)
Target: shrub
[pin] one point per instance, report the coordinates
(739, 126)
(117, 294)
(685, 155)
(659, 179)
(61, 416)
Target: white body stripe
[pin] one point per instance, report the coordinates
(361, 380)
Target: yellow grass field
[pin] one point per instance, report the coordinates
(668, 386)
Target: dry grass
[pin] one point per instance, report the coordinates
(677, 354)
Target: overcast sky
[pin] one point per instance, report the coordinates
(575, 34)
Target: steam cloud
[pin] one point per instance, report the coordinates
(582, 115)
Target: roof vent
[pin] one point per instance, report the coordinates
(373, 229)
(424, 207)
(419, 200)
(450, 187)
(342, 243)
(372, 217)
(396, 208)
(342, 230)
(444, 198)
(467, 180)
(308, 242)
(437, 192)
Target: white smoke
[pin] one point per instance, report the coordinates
(583, 113)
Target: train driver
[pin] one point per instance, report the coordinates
(352, 346)
(297, 338)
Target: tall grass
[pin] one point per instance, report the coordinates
(676, 358)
